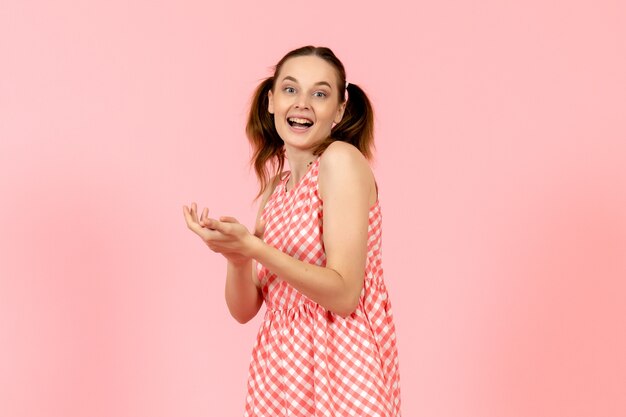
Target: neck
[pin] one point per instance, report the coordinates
(299, 163)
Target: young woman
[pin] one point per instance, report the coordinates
(327, 344)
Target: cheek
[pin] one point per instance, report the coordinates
(281, 109)
(328, 117)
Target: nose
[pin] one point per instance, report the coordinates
(302, 101)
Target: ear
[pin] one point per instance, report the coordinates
(340, 112)
(270, 104)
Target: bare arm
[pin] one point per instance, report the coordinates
(346, 186)
(243, 297)
(242, 290)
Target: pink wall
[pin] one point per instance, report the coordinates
(501, 160)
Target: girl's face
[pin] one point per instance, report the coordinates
(305, 101)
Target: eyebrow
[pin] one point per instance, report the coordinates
(317, 83)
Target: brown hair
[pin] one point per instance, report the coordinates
(356, 127)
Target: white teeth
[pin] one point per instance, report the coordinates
(301, 121)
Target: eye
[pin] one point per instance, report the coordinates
(323, 94)
(289, 89)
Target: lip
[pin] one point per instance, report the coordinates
(294, 130)
(299, 116)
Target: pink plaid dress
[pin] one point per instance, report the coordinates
(306, 360)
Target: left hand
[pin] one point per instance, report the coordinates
(225, 236)
(228, 236)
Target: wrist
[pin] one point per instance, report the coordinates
(254, 247)
(239, 262)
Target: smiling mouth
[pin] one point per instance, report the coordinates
(299, 123)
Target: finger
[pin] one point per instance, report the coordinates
(204, 216)
(212, 236)
(207, 234)
(194, 212)
(211, 224)
(222, 227)
(228, 219)
(188, 216)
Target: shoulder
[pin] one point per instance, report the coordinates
(342, 155)
(343, 165)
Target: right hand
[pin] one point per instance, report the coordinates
(211, 231)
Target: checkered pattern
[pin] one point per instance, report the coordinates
(308, 361)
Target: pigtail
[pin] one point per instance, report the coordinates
(267, 146)
(357, 125)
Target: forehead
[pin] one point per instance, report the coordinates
(308, 70)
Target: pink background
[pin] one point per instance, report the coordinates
(501, 141)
